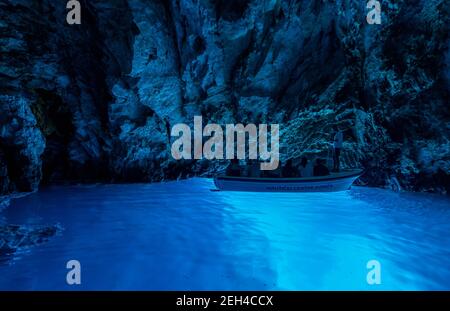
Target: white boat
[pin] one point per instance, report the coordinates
(334, 182)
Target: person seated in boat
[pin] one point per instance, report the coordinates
(253, 169)
(276, 173)
(233, 169)
(289, 170)
(306, 167)
(337, 147)
(320, 168)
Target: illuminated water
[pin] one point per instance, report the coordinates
(180, 235)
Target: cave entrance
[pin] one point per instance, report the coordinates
(55, 121)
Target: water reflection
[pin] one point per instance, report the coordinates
(180, 235)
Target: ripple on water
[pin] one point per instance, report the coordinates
(180, 235)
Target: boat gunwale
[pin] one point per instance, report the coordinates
(289, 180)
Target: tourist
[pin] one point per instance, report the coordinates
(254, 169)
(289, 170)
(306, 167)
(320, 168)
(337, 146)
(276, 173)
(234, 168)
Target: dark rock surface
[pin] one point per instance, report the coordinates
(15, 237)
(4, 202)
(96, 101)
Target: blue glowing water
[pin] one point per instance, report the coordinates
(181, 236)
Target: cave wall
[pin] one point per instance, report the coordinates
(96, 101)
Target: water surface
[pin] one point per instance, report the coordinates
(182, 236)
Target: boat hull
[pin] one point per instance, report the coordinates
(331, 183)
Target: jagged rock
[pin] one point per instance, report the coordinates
(22, 144)
(97, 100)
(14, 237)
(4, 202)
(4, 179)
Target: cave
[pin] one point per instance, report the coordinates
(231, 10)
(55, 120)
(359, 122)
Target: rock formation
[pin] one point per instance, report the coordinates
(14, 238)
(96, 101)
